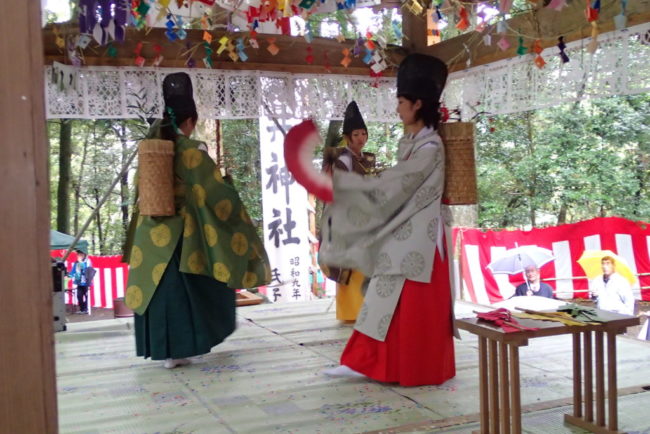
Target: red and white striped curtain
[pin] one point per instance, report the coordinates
(108, 284)
(477, 249)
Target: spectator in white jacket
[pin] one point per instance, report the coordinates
(612, 291)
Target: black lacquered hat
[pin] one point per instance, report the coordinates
(421, 76)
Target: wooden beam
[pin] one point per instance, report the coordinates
(28, 392)
(544, 24)
(291, 57)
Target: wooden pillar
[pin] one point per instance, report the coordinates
(28, 392)
(414, 31)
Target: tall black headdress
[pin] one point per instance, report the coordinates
(422, 77)
(353, 119)
(178, 93)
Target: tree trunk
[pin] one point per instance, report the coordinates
(561, 216)
(533, 174)
(98, 223)
(124, 179)
(63, 191)
(79, 181)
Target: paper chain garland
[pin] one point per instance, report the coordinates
(106, 20)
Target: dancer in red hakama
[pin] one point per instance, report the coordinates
(390, 228)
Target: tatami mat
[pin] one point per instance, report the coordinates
(267, 377)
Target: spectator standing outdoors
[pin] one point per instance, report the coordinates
(611, 291)
(82, 274)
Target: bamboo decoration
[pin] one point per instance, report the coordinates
(460, 165)
(156, 177)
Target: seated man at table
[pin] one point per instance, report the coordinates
(532, 285)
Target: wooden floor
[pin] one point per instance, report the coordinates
(267, 377)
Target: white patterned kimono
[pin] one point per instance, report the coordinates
(388, 226)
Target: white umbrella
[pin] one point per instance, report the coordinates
(516, 260)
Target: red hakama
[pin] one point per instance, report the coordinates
(419, 346)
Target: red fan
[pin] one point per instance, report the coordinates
(299, 146)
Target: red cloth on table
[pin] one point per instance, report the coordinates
(503, 318)
(419, 346)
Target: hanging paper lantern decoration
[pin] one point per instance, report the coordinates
(299, 146)
(170, 33)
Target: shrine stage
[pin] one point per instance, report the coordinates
(267, 377)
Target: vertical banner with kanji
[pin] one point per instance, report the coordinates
(285, 212)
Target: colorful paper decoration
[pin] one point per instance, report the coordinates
(620, 20)
(207, 60)
(207, 37)
(503, 43)
(240, 50)
(463, 19)
(593, 10)
(157, 49)
(170, 33)
(521, 49)
(396, 29)
(139, 59)
(562, 46)
(414, 7)
(310, 56)
(272, 48)
(537, 49)
(346, 57)
(487, 40)
(112, 51)
(223, 43)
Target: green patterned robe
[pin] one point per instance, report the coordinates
(218, 238)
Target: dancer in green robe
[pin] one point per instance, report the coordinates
(183, 269)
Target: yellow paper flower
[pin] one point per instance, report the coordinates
(199, 194)
(192, 158)
(221, 272)
(239, 243)
(211, 236)
(157, 272)
(133, 296)
(196, 262)
(160, 235)
(136, 257)
(222, 209)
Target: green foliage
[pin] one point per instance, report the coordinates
(565, 164)
(241, 143)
